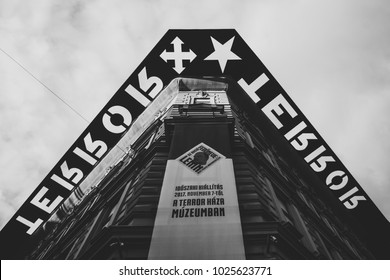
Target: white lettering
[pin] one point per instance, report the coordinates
(334, 174)
(137, 95)
(348, 194)
(293, 132)
(315, 153)
(46, 205)
(320, 164)
(32, 226)
(302, 141)
(354, 201)
(76, 173)
(117, 110)
(91, 160)
(152, 83)
(274, 106)
(254, 86)
(62, 182)
(97, 148)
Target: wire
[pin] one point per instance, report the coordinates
(51, 91)
(45, 86)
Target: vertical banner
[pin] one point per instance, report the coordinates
(198, 215)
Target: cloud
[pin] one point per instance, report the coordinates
(332, 57)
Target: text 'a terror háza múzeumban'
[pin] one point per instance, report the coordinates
(198, 207)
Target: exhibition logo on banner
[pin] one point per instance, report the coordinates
(200, 157)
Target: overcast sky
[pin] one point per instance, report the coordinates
(332, 58)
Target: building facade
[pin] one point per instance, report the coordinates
(283, 210)
(200, 154)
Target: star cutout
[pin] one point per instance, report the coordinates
(222, 53)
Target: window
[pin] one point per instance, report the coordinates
(285, 213)
(203, 97)
(248, 139)
(202, 100)
(79, 242)
(126, 199)
(108, 214)
(335, 254)
(330, 226)
(109, 218)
